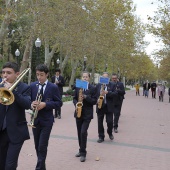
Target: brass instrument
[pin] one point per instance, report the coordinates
(3, 81)
(79, 104)
(35, 110)
(101, 98)
(6, 95)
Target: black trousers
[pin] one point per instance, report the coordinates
(82, 127)
(9, 152)
(41, 138)
(137, 92)
(153, 93)
(109, 120)
(58, 110)
(116, 112)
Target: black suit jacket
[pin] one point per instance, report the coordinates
(16, 123)
(119, 87)
(52, 99)
(109, 97)
(60, 84)
(144, 86)
(88, 102)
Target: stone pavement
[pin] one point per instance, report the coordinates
(143, 141)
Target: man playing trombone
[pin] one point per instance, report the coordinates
(13, 124)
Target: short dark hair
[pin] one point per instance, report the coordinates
(85, 72)
(42, 68)
(12, 65)
(106, 73)
(114, 74)
(58, 70)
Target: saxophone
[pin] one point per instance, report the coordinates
(101, 98)
(35, 110)
(79, 104)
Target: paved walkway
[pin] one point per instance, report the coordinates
(143, 141)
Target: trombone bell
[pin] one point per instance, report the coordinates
(6, 95)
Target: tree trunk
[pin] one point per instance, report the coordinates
(74, 68)
(25, 59)
(30, 65)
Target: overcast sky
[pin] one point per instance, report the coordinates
(144, 8)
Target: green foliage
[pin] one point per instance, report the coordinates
(69, 92)
(67, 98)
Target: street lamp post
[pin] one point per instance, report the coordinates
(84, 64)
(106, 65)
(17, 53)
(38, 45)
(58, 62)
(125, 79)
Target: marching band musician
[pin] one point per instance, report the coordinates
(88, 99)
(118, 100)
(106, 109)
(13, 124)
(50, 100)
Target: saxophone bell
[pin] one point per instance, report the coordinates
(101, 97)
(79, 104)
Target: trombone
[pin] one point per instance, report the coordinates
(6, 95)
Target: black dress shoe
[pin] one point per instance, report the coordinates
(82, 159)
(115, 130)
(78, 155)
(100, 140)
(111, 137)
(59, 117)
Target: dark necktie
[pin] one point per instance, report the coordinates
(4, 122)
(41, 91)
(105, 88)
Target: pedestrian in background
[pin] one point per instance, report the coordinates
(117, 100)
(153, 89)
(137, 86)
(146, 87)
(60, 82)
(161, 91)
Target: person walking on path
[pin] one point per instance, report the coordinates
(146, 87)
(137, 86)
(108, 92)
(153, 89)
(13, 124)
(117, 100)
(50, 99)
(88, 98)
(60, 82)
(161, 91)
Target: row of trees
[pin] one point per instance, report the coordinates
(160, 27)
(107, 32)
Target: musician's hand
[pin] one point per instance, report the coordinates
(41, 105)
(56, 82)
(7, 85)
(81, 98)
(76, 109)
(34, 104)
(104, 92)
(98, 101)
(84, 96)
